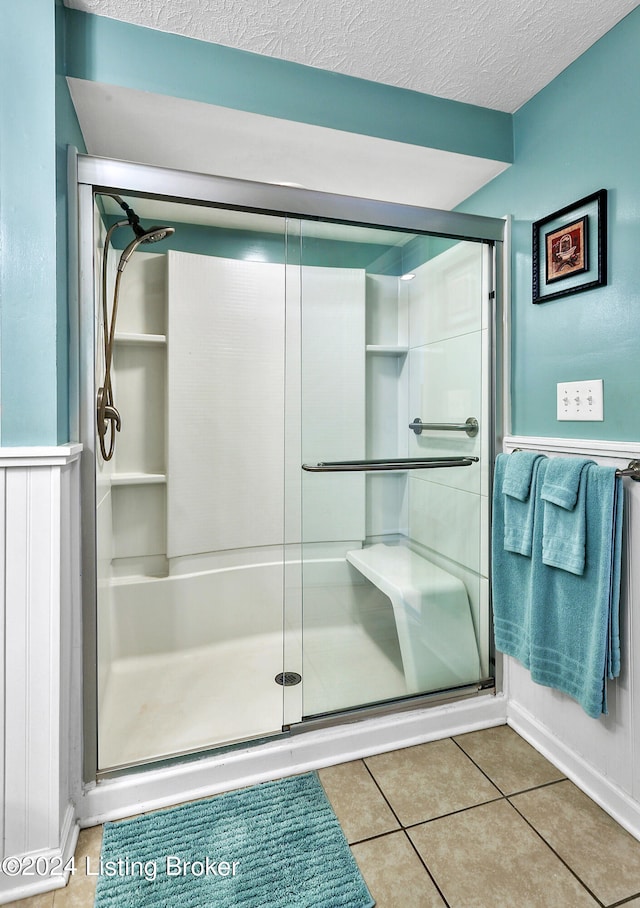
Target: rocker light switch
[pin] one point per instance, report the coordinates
(580, 400)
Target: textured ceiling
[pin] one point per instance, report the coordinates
(494, 53)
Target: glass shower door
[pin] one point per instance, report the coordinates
(189, 511)
(394, 412)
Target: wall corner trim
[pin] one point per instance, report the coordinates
(48, 456)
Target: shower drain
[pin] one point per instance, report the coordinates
(288, 678)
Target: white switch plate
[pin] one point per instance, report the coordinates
(581, 400)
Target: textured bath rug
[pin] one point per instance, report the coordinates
(275, 845)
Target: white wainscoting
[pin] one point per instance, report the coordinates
(599, 755)
(39, 598)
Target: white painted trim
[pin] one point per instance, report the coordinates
(3, 658)
(623, 449)
(609, 796)
(39, 540)
(39, 457)
(22, 887)
(142, 791)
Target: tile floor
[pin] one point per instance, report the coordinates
(480, 820)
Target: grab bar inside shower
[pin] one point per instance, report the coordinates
(400, 463)
(470, 426)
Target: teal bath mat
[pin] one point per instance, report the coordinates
(275, 845)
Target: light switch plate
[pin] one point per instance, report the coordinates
(580, 400)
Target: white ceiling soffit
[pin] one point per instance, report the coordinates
(491, 53)
(134, 125)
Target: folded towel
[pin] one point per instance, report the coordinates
(510, 575)
(574, 619)
(565, 519)
(562, 480)
(517, 475)
(519, 479)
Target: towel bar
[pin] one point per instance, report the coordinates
(632, 471)
(400, 463)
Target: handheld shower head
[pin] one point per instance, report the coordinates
(156, 233)
(151, 235)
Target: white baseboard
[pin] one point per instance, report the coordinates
(619, 805)
(136, 792)
(33, 879)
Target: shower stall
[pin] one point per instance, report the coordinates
(291, 525)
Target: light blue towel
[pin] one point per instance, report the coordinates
(519, 478)
(517, 474)
(562, 480)
(613, 655)
(574, 619)
(564, 497)
(510, 575)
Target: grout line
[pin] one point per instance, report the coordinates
(561, 859)
(424, 864)
(386, 800)
(378, 835)
(539, 834)
(509, 794)
(502, 797)
(479, 768)
(624, 901)
(408, 838)
(453, 813)
(521, 791)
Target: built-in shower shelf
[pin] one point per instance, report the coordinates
(387, 349)
(157, 340)
(138, 479)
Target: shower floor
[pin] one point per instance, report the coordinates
(174, 702)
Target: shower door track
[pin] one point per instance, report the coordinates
(391, 707)
(102, 175)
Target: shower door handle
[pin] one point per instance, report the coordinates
(400, 463)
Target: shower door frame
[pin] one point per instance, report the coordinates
(97, 174)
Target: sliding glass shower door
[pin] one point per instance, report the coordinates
(294, 520)
(394, 410)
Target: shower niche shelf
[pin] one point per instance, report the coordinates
(138, 479)
(158, 340)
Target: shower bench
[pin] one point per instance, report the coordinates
(432, 614)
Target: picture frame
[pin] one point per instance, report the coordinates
(569, 249)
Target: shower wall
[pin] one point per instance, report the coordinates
(449, 382)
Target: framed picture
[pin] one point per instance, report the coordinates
(569, 249)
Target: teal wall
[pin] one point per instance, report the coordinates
(578, 135)
(105, 50)
(28, 225)
(36, 123)
(67, 133)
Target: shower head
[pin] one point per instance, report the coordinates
(151, 235)
(155, 234)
